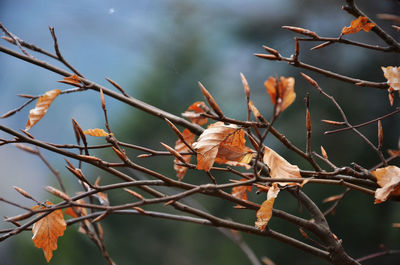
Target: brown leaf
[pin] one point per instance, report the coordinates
(240, 192)
(284, 96)
(222, 144)
(73, 80)
(361, 23)
(180, 147)
(42, 105)
(96, 132)
(264, 214)
(392, 74)
(76, 211)
(47, 230)
(193, 113)
(280, 168)
(388, 179)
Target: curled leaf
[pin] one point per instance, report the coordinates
(361, 23)
(42, 105)
(96, 132)
(392, 74)
(222, 144)
(281, 92)
(240, 192)
(279, 167)
(72, 80)
(388, 178)
(264, 214)
(47, 230)
(193, 113)
(180, 147)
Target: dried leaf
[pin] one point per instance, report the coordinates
(73, 80)
(264, 214)
(193, 113)
(180, 147)
(240, 192)
(361, 23)
(42, 105)
(47, 230)
(280, 168)
(96, 132)
(392, 74)
(76, 211)
(222, 144)
(388, 178)
(284, 96)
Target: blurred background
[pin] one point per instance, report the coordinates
(158, 51)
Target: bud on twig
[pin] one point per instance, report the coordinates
(334, 122)
(267, 56)
(324, 154)
(211, 100)
(57, 193)
(103, 102)
(380, 135)
(302, 31)
(174, 153)
(245, 86)
(134, 193)
(271, 51)
(322, 45)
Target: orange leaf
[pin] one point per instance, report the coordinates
(240, 192)
(392, 74)
(42, 105)
(264, 214)
(47, 230)
(69, 211)
(193, 113)
(96, 132)
(222, 144)
(361, 23)
(280, 168)
(284, 96)
(73, 80)
(76, 211)
(388, 179)
(180, 147)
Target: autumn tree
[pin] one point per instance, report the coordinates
(215, 156)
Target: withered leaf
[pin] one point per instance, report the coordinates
(388, 179)
(392, 74)
(361, 23)
(193, 113)
(281, 92)
(47, 230)
(73, 80)
(42, 105)
(96, 132)
(264, 214)
(280, 168)
(240, 192)
(180, 147)
(222, 144)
